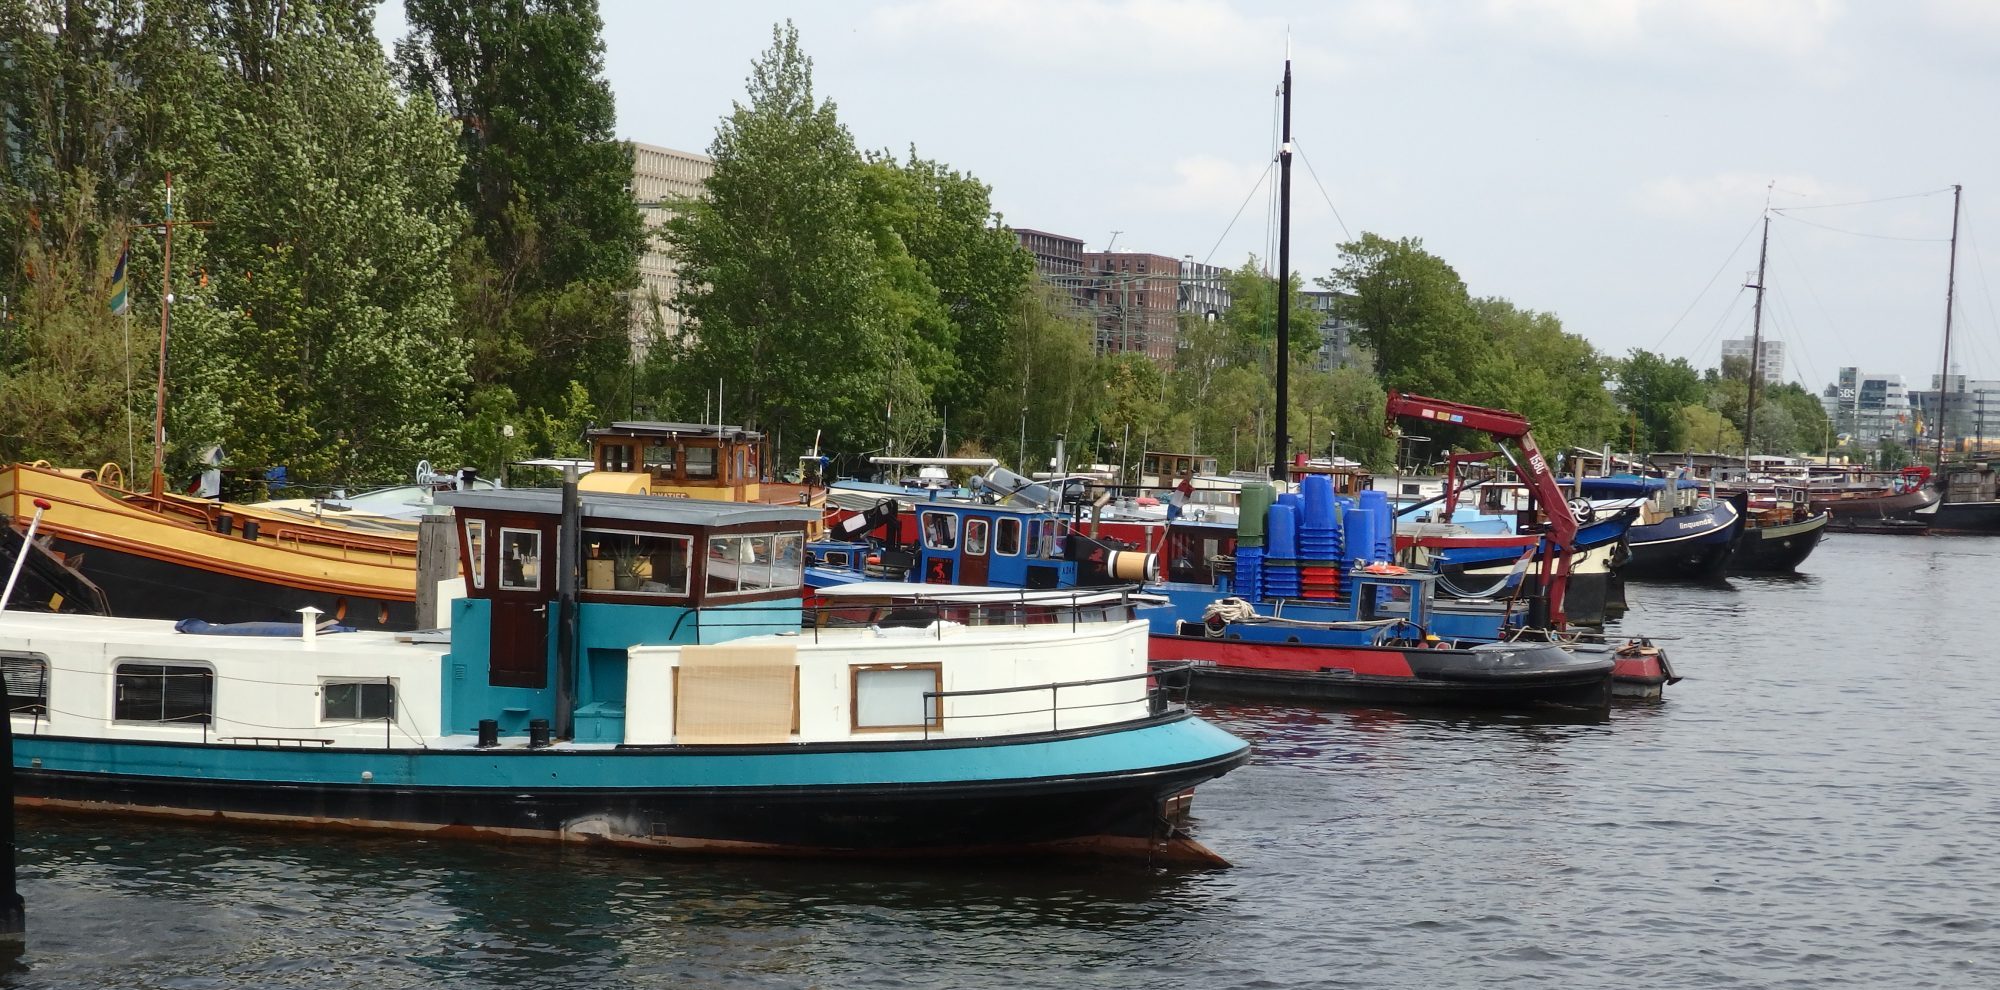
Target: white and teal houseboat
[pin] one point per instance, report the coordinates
(632, 671)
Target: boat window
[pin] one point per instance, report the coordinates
(761, 562)
(1008, 537)
(700, 462)
(614, 457)
(475, 550)
(625, 562)
(27, 682)
(975, 537)
(158, 692)
(342, 701)
(520, 559)
(660, 459)
(836, 558)
(891, 696)
(1052, 542)
(940, 531)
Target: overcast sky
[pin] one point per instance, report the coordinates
(1604, 160)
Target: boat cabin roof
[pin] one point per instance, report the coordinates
(651, 428)
(631, 508)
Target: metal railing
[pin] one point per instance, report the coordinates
(983, 604)
(1168, 690)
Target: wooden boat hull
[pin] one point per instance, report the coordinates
(176, 557)
(1777, 549)
(1544, 675)
(1118, 790)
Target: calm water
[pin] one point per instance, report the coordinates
(1817, 805)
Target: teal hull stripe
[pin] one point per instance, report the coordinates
(1151, 747)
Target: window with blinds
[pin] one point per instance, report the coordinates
(165, 693)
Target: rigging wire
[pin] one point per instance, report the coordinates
(1704, 289)
(1781, 214)
(1239, 214)
(1811, 291)
(1715, 331)
(1866, 202)
(1985, 286)
(1344, 232)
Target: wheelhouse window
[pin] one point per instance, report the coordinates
(1007, 536)
(889, 697)
(475, 550)
(165, 693)
(975, 537)
(614, 457)
(27, 682)
(940, 531)
(660, 459)
(625, 562)
(760, 562)
(700, 462)
(520, 559)
(351, 701)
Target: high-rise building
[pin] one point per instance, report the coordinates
(660, 178)
(1770, 361)
(1869, 406)
(1335, 333)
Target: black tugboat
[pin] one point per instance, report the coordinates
(1779, 533)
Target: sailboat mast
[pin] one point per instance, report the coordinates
(1944, 373)
(1756, 346)
(1284, 355)
(166, 311)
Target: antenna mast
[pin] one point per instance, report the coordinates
(1756, 345)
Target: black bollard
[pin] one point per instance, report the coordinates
(538, 733)
(489, 733)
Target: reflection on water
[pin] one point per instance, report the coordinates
(1813, 806)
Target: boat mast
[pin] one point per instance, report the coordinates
(1756, 347)
(1284, 355)
(1944, 373)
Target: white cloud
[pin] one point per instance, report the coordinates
(1792, 28)
(1684, 197)
(1202, 184)
(1093, 36)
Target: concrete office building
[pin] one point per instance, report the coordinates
(661, 176)
(1869, 406)
(1770, 360)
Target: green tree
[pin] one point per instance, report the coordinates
(778, 265)
(1413, 311)
(1555, 379)
(1698, 427)
(1654, 390)
(544, 289)
(1046, 381)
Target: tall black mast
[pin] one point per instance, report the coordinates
(1756, 346)
(1284, 356)
(1944, 375)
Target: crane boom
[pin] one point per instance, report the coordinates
(1501, 424)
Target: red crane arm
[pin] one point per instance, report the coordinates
(1503, 425)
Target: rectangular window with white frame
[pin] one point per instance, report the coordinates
(754, 562)
(520, 559)
(27, 682)
(624, 562)
(166, 693)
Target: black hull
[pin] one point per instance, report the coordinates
(1138, 813)
(137, 587)
(1681, 549)
(1974, 518)
(1776, 549)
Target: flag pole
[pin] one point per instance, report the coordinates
(166, 309)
